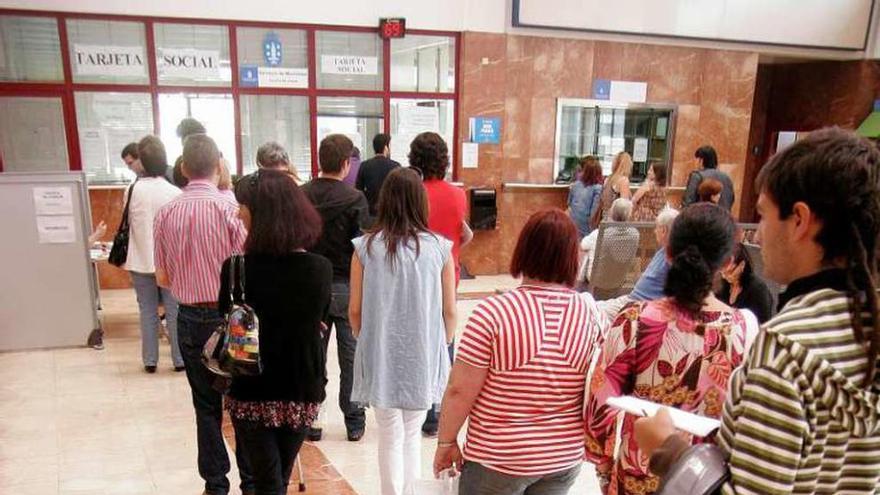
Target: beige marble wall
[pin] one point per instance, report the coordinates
(519, 78)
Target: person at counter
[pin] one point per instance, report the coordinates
(650, 199)
(616, 187)
(150, 193)
(194, 234)
(273, 156)
(373, 172)
(130, 157)
(585, 194)
(707, 168)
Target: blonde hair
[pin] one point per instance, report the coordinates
(622, 166)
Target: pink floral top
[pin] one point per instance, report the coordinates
(274, 414)
(657, 352)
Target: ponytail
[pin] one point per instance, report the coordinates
(689, 279)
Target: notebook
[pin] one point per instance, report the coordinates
(685, 421)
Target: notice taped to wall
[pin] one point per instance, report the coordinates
(53, 201)
(56, 230)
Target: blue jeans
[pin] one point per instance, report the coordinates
(355, 419)
(148, 296)
(195, 324)
(477, 479)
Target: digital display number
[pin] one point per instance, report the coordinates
(392, 28)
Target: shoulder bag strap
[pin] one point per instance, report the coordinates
(232, 279)
(240, 259)
(123, 222)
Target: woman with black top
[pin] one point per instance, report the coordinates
(289, 289)
(743, 289)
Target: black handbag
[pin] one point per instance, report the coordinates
(234, 347)
(119, 251)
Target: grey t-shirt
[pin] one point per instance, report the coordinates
(401, 359)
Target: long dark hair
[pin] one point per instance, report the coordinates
(701, 240)
(403, 212)
(835, 173)
(283, 219)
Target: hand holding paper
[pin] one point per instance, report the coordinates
(685, 421)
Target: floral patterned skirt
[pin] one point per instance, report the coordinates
(274, 414)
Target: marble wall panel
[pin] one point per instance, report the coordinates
(107, 205)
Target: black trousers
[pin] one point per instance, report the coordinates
(194, 326)
(271, 451)
(346, 344)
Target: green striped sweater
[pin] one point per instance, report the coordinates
(797, 419)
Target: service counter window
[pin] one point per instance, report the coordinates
(603, 129)
(358, 118)
(32, 134)
(107, 122)
(107, 51)
(214, 111)
(192, 54)
(349, 60)
(423, 63)
(272, 58)
(283, 119)
(30, 49)
(410, 117)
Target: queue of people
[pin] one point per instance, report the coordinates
(800, 412)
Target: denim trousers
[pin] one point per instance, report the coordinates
(149, 294)
(194, 325)
(477, 479)
(271, 452)
(346, 345)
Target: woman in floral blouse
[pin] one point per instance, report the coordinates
(677, 351)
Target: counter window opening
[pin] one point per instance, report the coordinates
(603, 129)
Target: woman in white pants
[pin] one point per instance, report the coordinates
(402, 311)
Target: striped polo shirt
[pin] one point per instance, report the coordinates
(797, 418)
(536, 343)
(194, 233)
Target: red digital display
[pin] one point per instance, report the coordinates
(392, 28)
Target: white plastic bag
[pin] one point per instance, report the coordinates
(446, 484)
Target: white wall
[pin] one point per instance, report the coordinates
(450, 15)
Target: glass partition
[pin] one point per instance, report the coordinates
(30, 49)
(358, 118)
(349, 60)
(423, 63)
(32, 134)
(283, 119)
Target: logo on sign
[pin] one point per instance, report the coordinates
(602, 89)
(272, 51)
(249, 76)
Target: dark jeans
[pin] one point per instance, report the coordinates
(271, 451)
(345, 347)
(432, 420)
(477, 479)
(194, 326)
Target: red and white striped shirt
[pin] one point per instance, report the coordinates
(194, 234)
(537, 343)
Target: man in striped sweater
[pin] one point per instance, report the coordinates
(803, 412)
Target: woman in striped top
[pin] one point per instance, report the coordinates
(803, 413)
(519, 372)
(678, 350)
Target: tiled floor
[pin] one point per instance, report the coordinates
(79, 421)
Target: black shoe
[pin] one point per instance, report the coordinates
(355, 435)
(314, 434)
(178, 369)
(150, 368)
(429, 432)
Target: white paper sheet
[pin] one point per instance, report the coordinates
(685, 421)
(56, 230)
(470, 153)
(640, 150)
(629, 92)
(53, 201)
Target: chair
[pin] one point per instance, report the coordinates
(615, 264)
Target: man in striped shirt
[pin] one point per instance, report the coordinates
(194, 234)
(803, 413)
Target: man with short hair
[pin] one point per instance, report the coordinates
(707, 168)
(802, 414)
(650, 284)
(194, 234)
(344, 212)
(372, 174)
(187, 127)
(131, 158)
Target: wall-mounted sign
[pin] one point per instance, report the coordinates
(272, 49)
(93, 60)
(601, 89)
(485, 130)
(628, 92)
(251, 76)
(189, 63)
(349, 64)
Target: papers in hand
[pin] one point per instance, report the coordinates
(685, 421)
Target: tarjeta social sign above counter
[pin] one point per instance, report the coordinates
(190, 63)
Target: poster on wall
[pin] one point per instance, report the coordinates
(640, 150)
(485, 130)
(189, 63)
(56, 230)
(53, 201)
(470, 153)
(349, 65)
(94, 60)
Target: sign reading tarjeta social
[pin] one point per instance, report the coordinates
(94, 60)
(189, 63)
(349, 64)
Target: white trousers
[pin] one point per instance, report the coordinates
(400, 449)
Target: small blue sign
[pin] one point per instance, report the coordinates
(272, 52)
(601, 89)
(877, 105)
(249, 76)
(486, 130)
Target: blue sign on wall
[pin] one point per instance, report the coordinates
(272, 52)
(485, 130)
(601, 89)
(249, 76)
